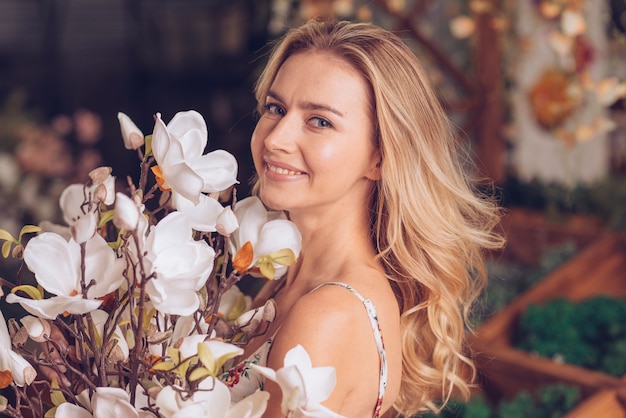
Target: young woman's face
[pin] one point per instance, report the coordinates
(313, 145)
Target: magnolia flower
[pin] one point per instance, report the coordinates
(57, 267)
(13, 365)
(211, 400)
(127, 212)
(106, 402)
(182, 167)
(233, 303)
(304, 387)
(203, 215)
(226, 222)
(269, 234)
(118, 350)
(181, 265)
(132, 135)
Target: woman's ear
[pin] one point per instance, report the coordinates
(374, 170)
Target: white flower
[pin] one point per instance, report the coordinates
(106, 402)
(181, 265)
(226, 222)
(127, 213)
(233, 303)
(57, 267)
(203, 215)
(182, 167)
(212, 400)
(269, 232)
(132, 135)
(121, 350)
(304, 387)
(84, 228)
(21, 370)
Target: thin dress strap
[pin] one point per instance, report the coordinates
(371, 312)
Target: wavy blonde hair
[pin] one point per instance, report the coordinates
(429, 223)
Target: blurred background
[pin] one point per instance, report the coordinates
(535, 87)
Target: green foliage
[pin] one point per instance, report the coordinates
(550, 401)
(605, 199)
(507, 280)
(590, 333)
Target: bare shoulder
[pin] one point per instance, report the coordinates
(334, 327)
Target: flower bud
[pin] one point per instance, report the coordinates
(38, 329)
(126, 212)
(84, 228)
(226, 222)
(100, 193)
(132, 135)
(100, 174)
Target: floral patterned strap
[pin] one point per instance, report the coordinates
(371, 312)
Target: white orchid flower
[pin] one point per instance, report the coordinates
(212, 400)
(106, 402)
(181, 265)
(304, 387)
(131, 134)
(182, 167)
(21, 371)
(269, 233)
(57, 267)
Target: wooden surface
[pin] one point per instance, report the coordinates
(600, 268)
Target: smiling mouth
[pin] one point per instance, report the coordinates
(283, 171)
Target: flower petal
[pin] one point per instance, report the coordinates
(52, 307)
(54, 262)
(171, 299)
(218, 170)
(112, 402)
(68, 410)
(252, 406)
(103, 266)
(202, 216)
(132, 135)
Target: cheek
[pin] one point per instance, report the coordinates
(256, 147)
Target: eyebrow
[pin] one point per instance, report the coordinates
(309, 105)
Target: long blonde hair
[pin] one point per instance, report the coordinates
(428, 222)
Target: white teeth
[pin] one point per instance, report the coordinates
(279, 170)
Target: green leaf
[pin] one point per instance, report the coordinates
(206, 357)
(6, 236)
(31, 291)
(105, 217)
(148, 142)
(199, 374)
(267, 270)
(56, 396)
(6, 248)
(284, 257)
(164, 365)
(28, 229)
(51, 413)
(238, 309)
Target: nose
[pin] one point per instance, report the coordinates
(281, 135)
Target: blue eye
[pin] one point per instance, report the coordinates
(274, 109)
(320, 122)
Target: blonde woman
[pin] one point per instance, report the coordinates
(353, 144)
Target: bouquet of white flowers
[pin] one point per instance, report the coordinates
(136, 309)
